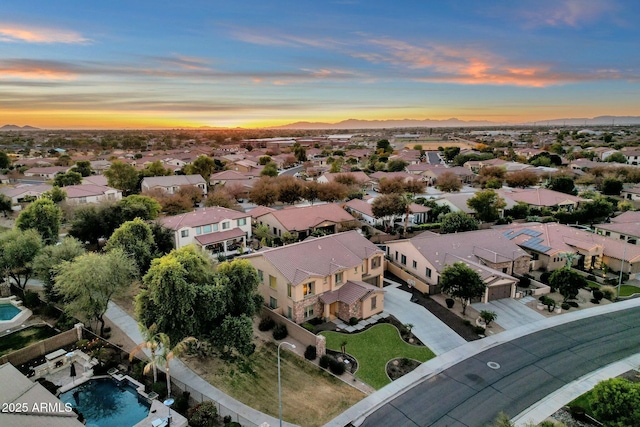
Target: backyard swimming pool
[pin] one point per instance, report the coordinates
(8, 311)
(104, 403)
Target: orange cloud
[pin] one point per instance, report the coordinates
(14, 33)
(29, 69)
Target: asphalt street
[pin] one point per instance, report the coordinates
(471, 393)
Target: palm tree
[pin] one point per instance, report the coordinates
(151, 338)
(167, 353)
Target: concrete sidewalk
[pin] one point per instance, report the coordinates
(428, 328)
(182, 373)
(544, 408)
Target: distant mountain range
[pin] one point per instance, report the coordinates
(453, 122)
(14, 127)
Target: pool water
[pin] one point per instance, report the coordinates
(105, 404)
(8, 311)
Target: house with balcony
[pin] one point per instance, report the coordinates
(217, 230)
(335, 276)
(488, 252)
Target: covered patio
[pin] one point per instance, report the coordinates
(224, 243)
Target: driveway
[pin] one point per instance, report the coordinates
(428, 328)
(511, 313)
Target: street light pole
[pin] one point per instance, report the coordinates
(279, 379)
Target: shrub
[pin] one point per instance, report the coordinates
(308, 326)
(573, 304)
(577, 412)
(50, 310)
(31, 299)
(595, 301)
(182, 403)
(478, 330)
(544, 277)
(353, 321)
(598, 294)
(107, 329)
(325, 360)
(525, 282)
(565, 306)
(337, 367)
(266, 324)
(609, 292)
(280, 332)
(81, 343)
(450, 302)
(204, 414)
(160, 388)
(466, 322)
(226, 420)
(315, 321)
(591, 278)
(311, 352)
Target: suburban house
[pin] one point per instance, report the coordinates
(302, 221)
(24, 192)
(542, 198)
(477, 165)
(492, 255)
(361, 177)
(336, 276)
(430, 173)
(633, 155)
(631, 193)
(47, 172)
(361, 209)
(171, 184)
(217, 230)
(549, 243)
(91, 193)
(625, 226)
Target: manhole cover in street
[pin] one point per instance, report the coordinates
(493, 365)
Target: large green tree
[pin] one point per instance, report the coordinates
(83, 167)
(186, 296)
(135, 239)
(203, 166)
(123, 176)
(90, 281)
(387, 206)
(5, 161)
(487, 204)
(43, 216)
(18, 248)
(567, 282)
(65, 179)
(455, 222)
(136, 206)
(563, 184)
(462, 283)
(616, 402)
(270, 169)
(47, 261)
(5, 204)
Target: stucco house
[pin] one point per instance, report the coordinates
(625, 226)
(171, 184)
(335, 276)
(488, 252)
(542, 198)
(46, 172)
(302, 221)
(91, 193)
(24, 192)
(215, 229)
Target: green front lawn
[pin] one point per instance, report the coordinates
(374, 348)
(628, 290)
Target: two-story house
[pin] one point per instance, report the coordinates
(217, 230)
(332, 276)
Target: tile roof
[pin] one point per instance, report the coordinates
(350, 292)
(319, 257)
(260, 210)
(627, 228)
(204, 216)
(304, 218)
(207, 239)
(171, 180)
(95, 179)
(539, 196)
(86, 190)
(629, 216)
(25, 188)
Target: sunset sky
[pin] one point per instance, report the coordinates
(130, 64)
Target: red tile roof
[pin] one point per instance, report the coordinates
(204, 216)
(349, 293)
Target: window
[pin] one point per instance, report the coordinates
(374, 303)
(273, 303)
(427, 272)
(215, 227)
(275, 231)
(308, 312)
(403, 259)
(289, 290)
(375, 262)
(356, 270)
(504, 270)
(184, 233)
(289, 312)
(83, 200)
(261, 276)
(198, 231)
(308, 288)
(415, 264)
(622, 237)
(396, 255)
(273, 282)
(338, 277)
(242, 221)
(607, 233)
(207, 228)
(225, 225)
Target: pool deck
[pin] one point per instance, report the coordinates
(6, 326)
